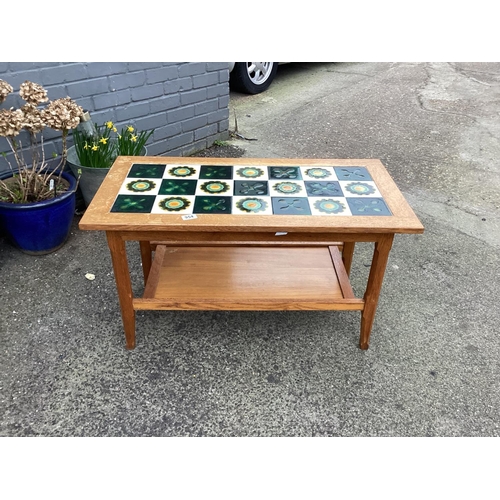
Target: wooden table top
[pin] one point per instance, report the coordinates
(249, 194)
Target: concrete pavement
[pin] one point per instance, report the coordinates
(432, 368)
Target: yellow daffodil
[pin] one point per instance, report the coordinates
(86, 146)
(133, 138)
(114, 129)
(95, 147)
(130, 129)
(119, 136)
(104, 140)
(109, 124)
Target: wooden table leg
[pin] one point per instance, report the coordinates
(123, 285)
(373, 287)
(347, 253)
(146, 259)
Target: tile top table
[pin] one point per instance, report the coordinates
(249, 190)
(248, 233)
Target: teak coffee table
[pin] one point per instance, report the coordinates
(247, 233)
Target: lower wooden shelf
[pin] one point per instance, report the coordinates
(248, 278)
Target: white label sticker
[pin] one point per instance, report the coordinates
(189, 217)
(280, 234)
(51, 185)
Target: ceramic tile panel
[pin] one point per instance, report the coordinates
(250, 190)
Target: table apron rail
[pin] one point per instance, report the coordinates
(274, 238)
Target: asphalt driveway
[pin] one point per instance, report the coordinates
(432, 368)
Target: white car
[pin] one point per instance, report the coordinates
(251, 77)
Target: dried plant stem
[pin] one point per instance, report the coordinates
(31, 182)
(37, 179)
(13, 146)
(6, 189)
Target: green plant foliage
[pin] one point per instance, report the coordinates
(131, 142)
(101, 149)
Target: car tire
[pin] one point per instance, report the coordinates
(252, 77)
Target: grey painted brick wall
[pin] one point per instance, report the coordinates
(185, 102)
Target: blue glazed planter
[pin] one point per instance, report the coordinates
(42, 227)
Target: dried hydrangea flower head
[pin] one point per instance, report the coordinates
(5, 90)
(11, 122)
(33, 93)
(34, 178)
(62, 114)
(32, 116)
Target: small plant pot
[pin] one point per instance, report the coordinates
(90, 177)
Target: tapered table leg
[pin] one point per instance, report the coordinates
(123, 285)
(146, 259)
(347, 253)
(373, 287)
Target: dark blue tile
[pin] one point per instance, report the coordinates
(323, 188)
(368, 206)
(291, 206)
(250, 188)
(352, 174)
(285, 173)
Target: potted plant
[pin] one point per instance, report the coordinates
(96, 148)
(37, 199)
